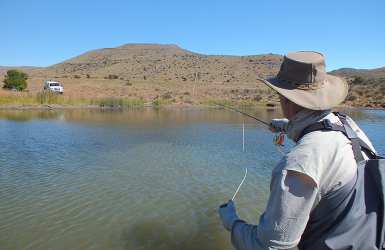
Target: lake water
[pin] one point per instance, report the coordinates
(136, 178)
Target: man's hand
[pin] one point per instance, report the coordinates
(277, 125)
(228, 215)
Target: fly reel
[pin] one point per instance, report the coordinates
(278, 139)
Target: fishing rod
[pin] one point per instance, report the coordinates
(278, 138)
(243, 113)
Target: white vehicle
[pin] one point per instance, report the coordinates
(54, 86)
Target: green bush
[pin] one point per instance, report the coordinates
(15, 79)
(359, 79)
(17, 73)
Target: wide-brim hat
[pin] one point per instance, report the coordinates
(303, 80)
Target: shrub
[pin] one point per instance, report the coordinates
(168, 96)
(111, 77)
(359, 79)
(189, 100)
(15, 79)
(351, 98)
(14, 83)
(258, 98)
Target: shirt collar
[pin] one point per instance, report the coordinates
(303, 119)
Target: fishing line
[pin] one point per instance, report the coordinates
(278, 137)
(243, 133)
(239, 186)
(281, 151)
(225, 205)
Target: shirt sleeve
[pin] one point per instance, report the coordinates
(287, 213)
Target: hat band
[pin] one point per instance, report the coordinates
(302, 85)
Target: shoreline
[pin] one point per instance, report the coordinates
(88, 107)
(49, 107)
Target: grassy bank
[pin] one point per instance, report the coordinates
(9, 99)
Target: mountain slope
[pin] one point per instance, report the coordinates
(135, 62)
(4, 69)
(349, 72)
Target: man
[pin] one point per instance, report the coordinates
(309, 180)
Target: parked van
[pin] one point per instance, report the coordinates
(54, 86)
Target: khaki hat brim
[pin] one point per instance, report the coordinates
(332, 94)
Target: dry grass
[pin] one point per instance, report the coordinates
(154, 74)
(9, 99)
(91, 91)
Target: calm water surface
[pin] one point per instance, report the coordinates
(135, 178)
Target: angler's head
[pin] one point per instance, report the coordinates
(303, 80)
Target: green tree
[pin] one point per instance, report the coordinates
(17, 73)
(15, 79)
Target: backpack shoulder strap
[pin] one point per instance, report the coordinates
(351, 134)
(327, 125)
(322, 125)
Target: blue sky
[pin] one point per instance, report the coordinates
(42, 33)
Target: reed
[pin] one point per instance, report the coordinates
(117, 102)
(159, 102)
(16, 99)
(9, 99)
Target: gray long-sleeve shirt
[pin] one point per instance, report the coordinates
(319, 163)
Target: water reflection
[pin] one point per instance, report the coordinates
(134, 178)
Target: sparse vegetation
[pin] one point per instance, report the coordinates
(142, 72)
(111, 77)
(366, 92)
(118, 102)
(159, 102)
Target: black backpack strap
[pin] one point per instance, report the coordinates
(322, 125)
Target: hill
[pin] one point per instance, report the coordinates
(349, 72)
(4, 69)
(154, 72)
(135, 62)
